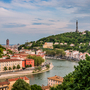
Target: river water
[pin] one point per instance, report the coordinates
(61, 68)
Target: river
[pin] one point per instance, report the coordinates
(61, 68)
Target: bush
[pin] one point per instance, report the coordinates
(47, 66)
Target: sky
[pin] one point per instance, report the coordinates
(30, 20)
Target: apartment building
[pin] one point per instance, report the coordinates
(55, 80)
(48, 45)
(9, 63)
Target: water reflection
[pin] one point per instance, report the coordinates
(61, 68)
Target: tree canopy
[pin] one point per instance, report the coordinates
(79, 79)
(36, 87)
(37, 59)
(21, 85)
(69, 38)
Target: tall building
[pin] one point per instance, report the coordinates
(77, 26)
(7, 42)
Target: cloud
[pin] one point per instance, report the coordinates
(38, 19)
(13, 25)
(42, 24)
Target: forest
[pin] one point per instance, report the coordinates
(69, 38)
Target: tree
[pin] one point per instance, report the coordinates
(14, 67)
(10, 68)
(1, 52)
(18, 66)
(39, 68)
(37, 59)
(27, 66)
(36, 87)
(21, 85)
(79, 79)
(5, 68)
(47, 66)
(30, 65)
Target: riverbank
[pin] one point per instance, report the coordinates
(64, 58)
(23, 73)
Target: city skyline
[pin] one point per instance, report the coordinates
(22, 20)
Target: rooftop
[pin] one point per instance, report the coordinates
(15, 79)
(8, 60)
(56, 78)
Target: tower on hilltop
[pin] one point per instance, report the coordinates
(77, 26)
(7, 42)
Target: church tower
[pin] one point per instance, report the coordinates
(77, 26)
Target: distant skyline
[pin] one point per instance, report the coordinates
(22, 20)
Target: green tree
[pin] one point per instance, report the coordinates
(1, 52)
(10, 68)
(39, 68)
(30, 65)
(36, 87)
(21, 85)
(37, 59)
(79, 79)
(14, 67)
(18, 66)
(5, 68)
(27, 66)
(47, 66)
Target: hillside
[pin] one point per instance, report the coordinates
(80, 40)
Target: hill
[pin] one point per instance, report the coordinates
(80, 40)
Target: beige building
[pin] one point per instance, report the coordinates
(48, 45)
(55, 80)
(7, 85)
(9, 63)
(13, 80)
(56, 43)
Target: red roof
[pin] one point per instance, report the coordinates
(15, 79)
(4, 83)
(29, 59)
(8, 60)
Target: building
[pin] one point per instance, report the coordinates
(72, 45)
(13, 80)
(48, 45)
(8, 83)
(27, 62)
(9, 63)
(45, 87)
(5, 85)
(55, 80)
(7, 42)
(56, 43)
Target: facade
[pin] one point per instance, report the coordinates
(48, 45)
(55, 80)
(5, 85)
(56, 43)
(27, 62)
(9, 63)
(72, 45)
(7, 42)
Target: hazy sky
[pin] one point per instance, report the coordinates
(22, 20)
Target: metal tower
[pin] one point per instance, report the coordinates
(76, 25)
